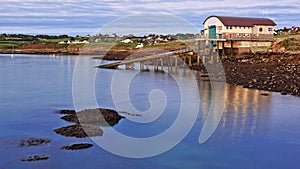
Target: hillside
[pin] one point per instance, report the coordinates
(290, 44)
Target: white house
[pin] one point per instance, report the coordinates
(127, 41)
(240, 34)
(62, 42)
(140, 46)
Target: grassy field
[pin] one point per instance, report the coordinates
(10, 44)
(16, 43)
(56, 40)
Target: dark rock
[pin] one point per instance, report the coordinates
(34, 142)
(159, 71)
(77, 146)
(36, 158)
(80, 131)
(204, 75)
(145, 70)
(67, 112)
(130, 114)
(100, 117)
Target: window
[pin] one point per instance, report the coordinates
(261, 29)
(230, 27)
(226, 27)
(270, 29)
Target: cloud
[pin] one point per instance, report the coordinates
(72, 14)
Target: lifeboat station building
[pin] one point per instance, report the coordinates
(233, 35)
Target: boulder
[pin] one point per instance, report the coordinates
(34, 142)
(77, 146)
(100, 117)
(80, 131)
(35, 158)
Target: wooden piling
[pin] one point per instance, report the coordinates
(162, 64)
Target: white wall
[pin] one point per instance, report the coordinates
(235, 29)
(265, 29)
(213, 21)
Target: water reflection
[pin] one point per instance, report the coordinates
(244, 109)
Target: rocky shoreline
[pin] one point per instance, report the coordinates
(275, 72)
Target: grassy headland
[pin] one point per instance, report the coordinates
(64, 44)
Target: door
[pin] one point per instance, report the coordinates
(220, 36)
(212, 31)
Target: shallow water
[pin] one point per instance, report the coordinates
(255, 131)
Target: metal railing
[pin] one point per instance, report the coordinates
(241, 36)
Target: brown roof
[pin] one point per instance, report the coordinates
(243, 21)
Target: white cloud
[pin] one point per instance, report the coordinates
(81, 11)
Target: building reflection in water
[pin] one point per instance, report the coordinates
(243, 112)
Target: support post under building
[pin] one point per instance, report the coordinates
(231, 48)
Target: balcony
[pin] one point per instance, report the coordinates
(241, 36)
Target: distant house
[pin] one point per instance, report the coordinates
(62, 42)
(127, 41)
(239, 34)
(141, 45)
(74, 42)
(288, 31)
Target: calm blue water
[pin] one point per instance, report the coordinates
(255, 131)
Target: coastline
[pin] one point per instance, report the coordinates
(274, 71)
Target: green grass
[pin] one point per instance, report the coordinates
(57, 40)
(9, 44)
(166, 44)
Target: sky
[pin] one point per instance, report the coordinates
(83, 17)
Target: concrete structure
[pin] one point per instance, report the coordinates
(239, 34)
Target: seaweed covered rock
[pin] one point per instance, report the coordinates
(77, 146)
(34, 142)
(80, 131)
(35, 158)
(100, 117)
